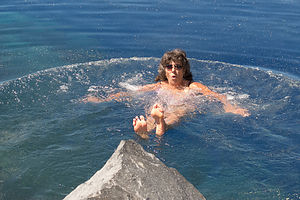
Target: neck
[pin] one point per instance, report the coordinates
(177, 85)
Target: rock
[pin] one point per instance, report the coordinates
(132, 173)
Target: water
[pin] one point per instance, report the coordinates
(54, 53)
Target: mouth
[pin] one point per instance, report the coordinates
(173, 76)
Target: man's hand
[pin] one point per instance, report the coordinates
(236, 110)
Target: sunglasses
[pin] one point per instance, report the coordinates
(170, 67)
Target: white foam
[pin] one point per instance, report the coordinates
(63, 88)
(130, 87)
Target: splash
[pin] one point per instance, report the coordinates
(241, 84)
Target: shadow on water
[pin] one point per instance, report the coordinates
(50, 141)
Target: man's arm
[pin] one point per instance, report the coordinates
(228, 107)
(120, 95)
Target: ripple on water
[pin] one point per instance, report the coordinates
(47, 130)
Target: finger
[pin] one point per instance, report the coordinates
(134, 121)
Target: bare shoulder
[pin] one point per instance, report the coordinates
(201, 88)
(197, 85)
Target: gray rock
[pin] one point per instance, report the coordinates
(132, 173)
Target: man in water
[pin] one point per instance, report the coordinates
(175, 79)
(175, 84)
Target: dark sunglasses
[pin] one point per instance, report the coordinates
(170, 67)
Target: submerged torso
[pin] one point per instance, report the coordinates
(175, 99)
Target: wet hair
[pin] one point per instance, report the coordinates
(177, 56)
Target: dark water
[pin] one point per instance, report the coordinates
(53, 53)
(36, 35)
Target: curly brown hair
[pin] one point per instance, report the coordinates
(177, 56)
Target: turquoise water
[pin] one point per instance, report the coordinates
(54, 53)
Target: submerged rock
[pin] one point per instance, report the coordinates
(132, 173)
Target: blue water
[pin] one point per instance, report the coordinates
(53, 53)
